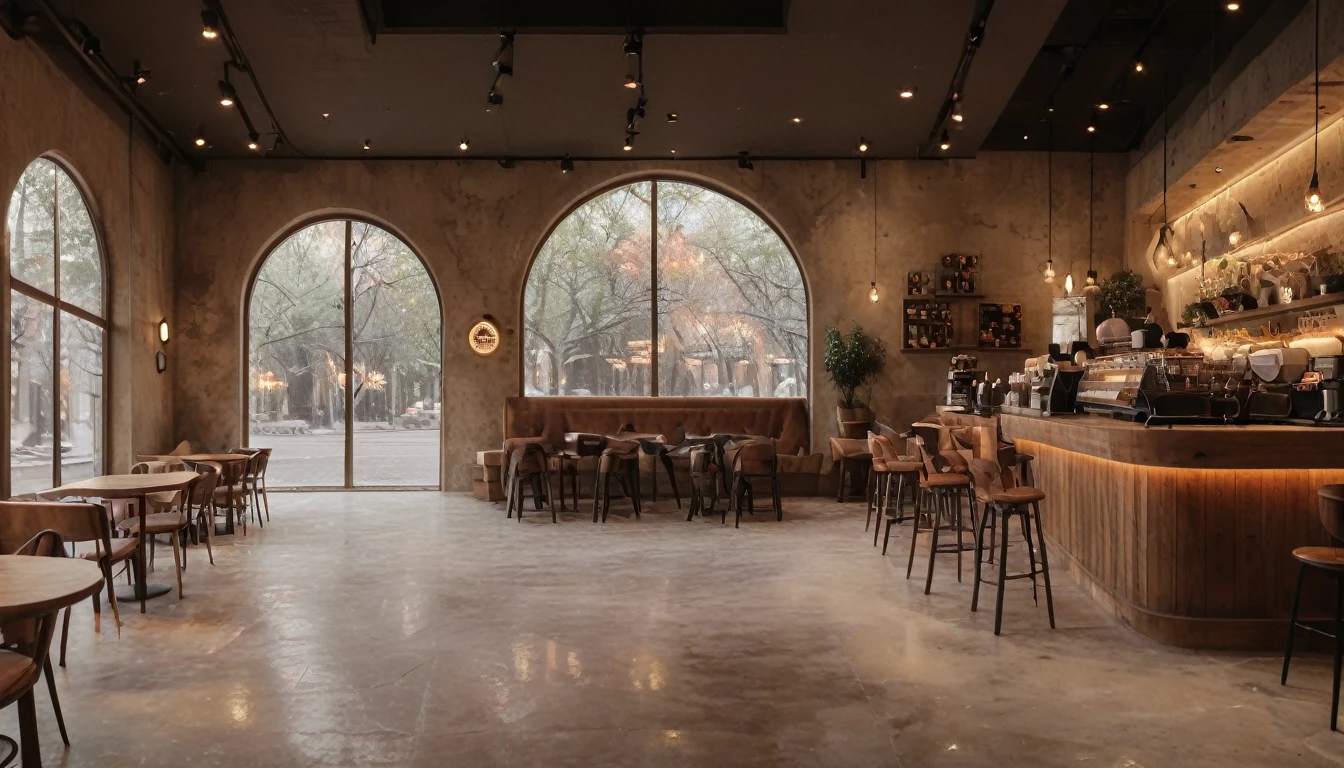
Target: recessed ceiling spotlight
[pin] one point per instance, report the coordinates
(1091, 129)
(199, 135)
(209, 25)
(946, 143)
(1103, 105)
(1138, 66)
(1025, 137)
(796, 120)
(200, 141)
(253, 142)
(368, 144)
(1234, 6)
(671, 117)
(1217, 169)
(907, 93)
(863, 144)
(464, 145)
(227, 96)
(326, 116)
(673, 151)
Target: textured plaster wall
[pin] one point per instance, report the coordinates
(477, 227)
(130, 191)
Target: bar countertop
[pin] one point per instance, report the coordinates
(1253, 446)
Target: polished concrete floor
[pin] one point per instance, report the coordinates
(424, 629)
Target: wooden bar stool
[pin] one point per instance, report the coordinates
(1328, 560)
(1001, 497)
(942, 483)
(890, 467)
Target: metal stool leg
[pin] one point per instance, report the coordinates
(1045, 564)
(1339, 654)
(1292, 622)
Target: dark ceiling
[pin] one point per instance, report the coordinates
(410, 77)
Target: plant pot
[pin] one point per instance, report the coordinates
(853, 422)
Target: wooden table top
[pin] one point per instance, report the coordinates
(122, 486)
(35, 586)
(196, 457)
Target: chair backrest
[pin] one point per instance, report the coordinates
(32, 637)
(140, 468)
(182, 449)
(757, 457)
(263, 459)
(74, 522)
(203, 489)
(986, 479)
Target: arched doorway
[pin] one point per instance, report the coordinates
(57, 332)
(729, 316)
(345, 374)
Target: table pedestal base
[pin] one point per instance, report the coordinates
(126, 593)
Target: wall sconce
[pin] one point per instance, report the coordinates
(160, 361)
(163, 331)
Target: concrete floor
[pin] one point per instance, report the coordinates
(424, 629)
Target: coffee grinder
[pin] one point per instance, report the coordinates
(962, 374)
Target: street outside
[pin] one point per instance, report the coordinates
(391, 457)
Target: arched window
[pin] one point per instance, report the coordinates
(304, 345)
(730, 314)
(57, 332)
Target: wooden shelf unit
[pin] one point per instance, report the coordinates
(1250, 316)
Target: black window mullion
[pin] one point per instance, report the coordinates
(56, 425)
(653, 272)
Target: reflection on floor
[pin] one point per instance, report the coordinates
(426, 630)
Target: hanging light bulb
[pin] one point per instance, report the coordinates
(872, 293)
(863, 144)
(253, 141)
(209, 25)
(1091, 287)
(1050, 270)
(1163, 254)
(1068, 284)
(945, 144)
(1315, 201)
(1234, 238)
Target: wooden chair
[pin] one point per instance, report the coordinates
(528, 463)
(1000, 496)
(1330, 562)
(201, 500)
(752, 459)
(259, 486)
(170, 520)
(75, 523)
(25, 655)
(943, 480)
(231, 477)
(704, 472)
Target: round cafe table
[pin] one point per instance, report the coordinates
(31, 588)
(218, 458)
(129, 487)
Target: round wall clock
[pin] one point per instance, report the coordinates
(483, 338)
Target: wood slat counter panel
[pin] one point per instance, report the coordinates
(1199, 558)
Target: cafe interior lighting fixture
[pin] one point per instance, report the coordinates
(566, 164)
(672, 117)
(629, 142)
(1314, 200)
(1234, 6)
(139, 75)
(503, 65)
(198, 136)
(1138, 66)
(863, 144)
(1163, 253)
(907, 93)
(209, 25)
(464, 145)
(368, 144)
(1091, 286)
(227, 95)
(253, 142)
(944, 143)
(163, 331)
(633, 48)
(872, 290)
(1103, 105)
(1050, 203)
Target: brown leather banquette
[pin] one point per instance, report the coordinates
(782, 418)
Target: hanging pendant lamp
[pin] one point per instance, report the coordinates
(1163, 254)
(872, 292)
(1050, 202)
(1315, 201)
(1091, 286)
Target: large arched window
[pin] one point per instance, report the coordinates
(729, 316)
(57, 330)
(336, 302)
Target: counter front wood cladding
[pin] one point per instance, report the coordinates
(1186, 533)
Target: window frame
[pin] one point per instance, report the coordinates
(349, 219)
(653, 180)
(58, 306)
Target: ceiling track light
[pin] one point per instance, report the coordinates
(92, 46)
(253, 141)
(198, 136)
(503, 65)
(139, 75)
(464, 145)
(907, 93)
(629, 144)
(227, 95)
(368, 144)
(672, 117)
(744, 161)
(566, 165)
(863, 144)
(945, 143)
(209, 25)
(1233, 6)
(1138, 66)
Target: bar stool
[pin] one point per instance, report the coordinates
(893, 468)
(941, 484)
(752, 458)
(527, 462)
(1001, 497)
(1329, 560)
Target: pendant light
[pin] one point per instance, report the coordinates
(1163, 254)
(1315, 201)
(872, 292)
(1050, 202)
(1091, 286)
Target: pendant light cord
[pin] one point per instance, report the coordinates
(1050, 190)
(1091, 197)
(874, 223)
(1316, 64)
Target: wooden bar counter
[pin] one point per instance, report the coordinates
(1186, 532)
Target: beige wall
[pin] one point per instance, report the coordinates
(477, 226)
(129, 190)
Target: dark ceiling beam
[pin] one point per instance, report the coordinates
(107, 79)
(956, 88)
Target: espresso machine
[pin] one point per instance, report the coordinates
(1330, 369)
(962, 375)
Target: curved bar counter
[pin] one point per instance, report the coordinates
(1186, 533)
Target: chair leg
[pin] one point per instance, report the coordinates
(1339, 654)
(1003, 577)
(840, 491)
(956, 521)
(939, 501)
(914, 535)
(885, 538)
(873, 483)
(986, 514)
(1045, 564)
(112, 599)
(65, 633)
(55, 700)
(265, 497)
(1292, 623)
(177, 562)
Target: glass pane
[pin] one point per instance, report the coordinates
(397, 362)
(31, 420)
(732, 310)
(81, 399)
(587, 305)
(81, 270)
(297, 358)
(31, 226)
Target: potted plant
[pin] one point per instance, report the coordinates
(1331, 267)
(852, 361)
(1122, 294)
